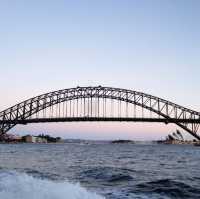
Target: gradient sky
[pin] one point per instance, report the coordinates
(146, 45)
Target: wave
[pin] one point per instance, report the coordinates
(107, 174)
(22, 186)
(168, 187)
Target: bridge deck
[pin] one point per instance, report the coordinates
(99, 119)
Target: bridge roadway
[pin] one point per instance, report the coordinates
(99, 119)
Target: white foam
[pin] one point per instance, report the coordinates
(22, 186)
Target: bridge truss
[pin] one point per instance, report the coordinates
(99, 104)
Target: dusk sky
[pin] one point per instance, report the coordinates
(151, 46)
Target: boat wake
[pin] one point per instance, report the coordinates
(23, 186)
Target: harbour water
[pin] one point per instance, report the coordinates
(97, 170)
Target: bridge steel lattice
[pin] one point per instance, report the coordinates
(89, 100)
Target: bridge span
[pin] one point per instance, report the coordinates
(108, 104)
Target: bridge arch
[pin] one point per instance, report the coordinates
(185, 118)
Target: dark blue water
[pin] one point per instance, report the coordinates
(84, 170)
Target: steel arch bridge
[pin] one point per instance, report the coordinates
(99, 104)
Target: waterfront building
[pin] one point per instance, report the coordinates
(34, 139)
(30, 139)
(41, 140)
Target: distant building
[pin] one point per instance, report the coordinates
(34, 139)
(30, 139)
(41, 140)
